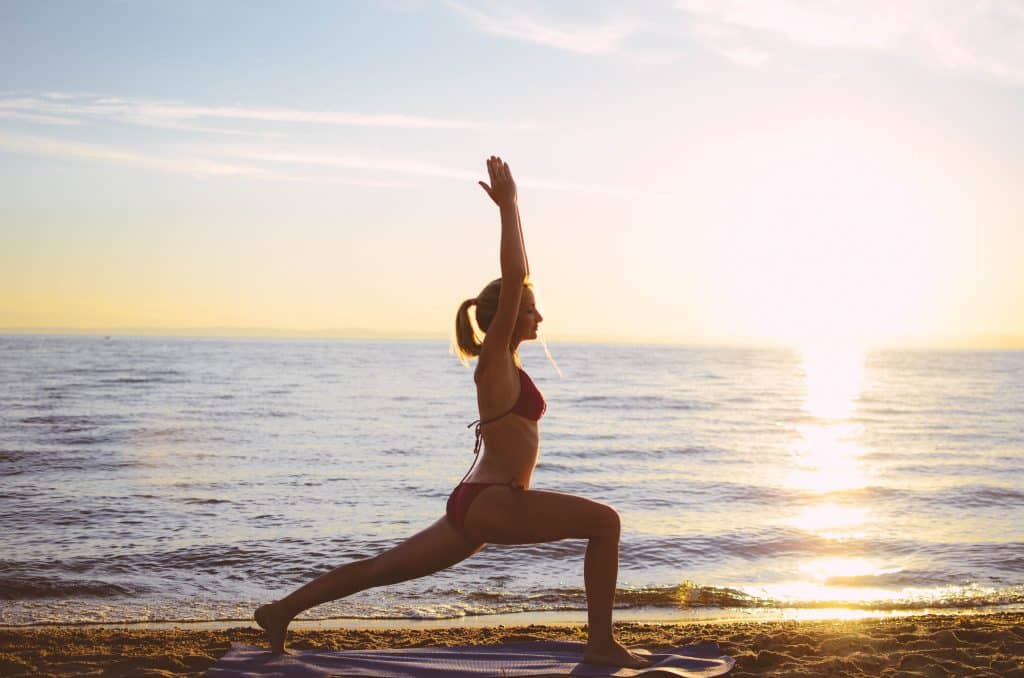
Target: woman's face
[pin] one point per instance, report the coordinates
(529, 317)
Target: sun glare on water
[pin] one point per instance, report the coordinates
(826, 459)
(834, 373)
(826, 454)
(830, 520)
(839, 579)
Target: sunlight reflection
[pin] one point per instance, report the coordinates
(819, 592)
(825, 569)
(827, 459)
(821, 573)
(827, 453)
(834, 372)
(830, 520)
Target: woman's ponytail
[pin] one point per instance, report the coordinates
(466, 340)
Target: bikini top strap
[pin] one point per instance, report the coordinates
(479, 441)
(479, 428)
(479, 424)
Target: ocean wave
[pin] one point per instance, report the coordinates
(142, 380)
(69, 459)
(29, 587)
(692, 595)
(640, 402)
(902, 578)
(977, 496)
(687, 594)
(70, 423)
(12, 457)
(639, 452)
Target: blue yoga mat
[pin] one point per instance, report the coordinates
(541, 658)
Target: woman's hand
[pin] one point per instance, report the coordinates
(502, 189)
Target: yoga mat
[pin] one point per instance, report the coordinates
(540, 658)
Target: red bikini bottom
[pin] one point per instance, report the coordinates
(462, 498)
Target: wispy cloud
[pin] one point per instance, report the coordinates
(38, 118)
(968, 36)
(279, 165)
(193, 164)
(975, 37)
(863, 24)
(59, 108)
(414, 168)
(746, 56)
(343, 181)
(164, 163)
(513, 21)
(350, 161)
(263, 159)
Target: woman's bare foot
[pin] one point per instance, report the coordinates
(612, 653)
(275, 624)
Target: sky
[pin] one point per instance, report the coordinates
(691, 171)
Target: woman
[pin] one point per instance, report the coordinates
(493, 503)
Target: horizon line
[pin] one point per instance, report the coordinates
(967, 342)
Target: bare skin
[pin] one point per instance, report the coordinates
(433, 549)
(500, 514)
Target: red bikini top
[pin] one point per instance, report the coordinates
(530, 405)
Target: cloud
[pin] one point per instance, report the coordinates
(514, 22)
(53, 108)
(269, 164)
(863, 24)
(415, 168)
(974, 37)
(279, 165)
(349, 161)
(38, 118)
(969, 36)
(746, 56)
(190, 164)
(345, 181)
(71, 149)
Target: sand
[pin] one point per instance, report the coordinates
(932, 646)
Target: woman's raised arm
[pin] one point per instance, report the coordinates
(514, 266)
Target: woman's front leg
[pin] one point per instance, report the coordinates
(505, 515)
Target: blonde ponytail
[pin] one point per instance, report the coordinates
(467, 339)
(467, 342)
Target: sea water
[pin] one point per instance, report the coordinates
(146, 479)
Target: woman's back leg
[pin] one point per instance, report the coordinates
(438, 547)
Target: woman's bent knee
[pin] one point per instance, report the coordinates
(609, 523)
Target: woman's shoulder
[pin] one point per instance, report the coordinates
(495, 372)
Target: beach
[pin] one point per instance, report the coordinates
(931, 645)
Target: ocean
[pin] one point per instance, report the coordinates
(177, 479)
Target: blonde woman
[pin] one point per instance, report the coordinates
(494, 502)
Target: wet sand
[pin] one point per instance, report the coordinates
(931, 646)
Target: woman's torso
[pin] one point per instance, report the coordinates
(511, 438)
